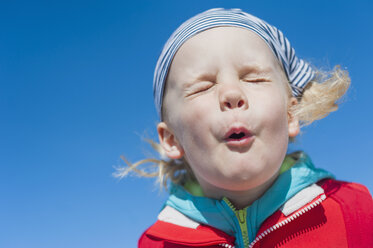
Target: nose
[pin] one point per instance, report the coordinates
(232, 97)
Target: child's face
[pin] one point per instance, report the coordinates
(222, 81)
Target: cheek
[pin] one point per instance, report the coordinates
(275, 120)
(192, 124)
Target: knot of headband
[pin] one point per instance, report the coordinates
(298, 72)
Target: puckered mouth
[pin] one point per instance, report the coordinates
(237, 134)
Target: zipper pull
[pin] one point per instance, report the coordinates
(241, 216)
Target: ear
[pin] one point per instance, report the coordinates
(169, 142)
(293, 121)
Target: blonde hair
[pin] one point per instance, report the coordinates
(176, 170)
(321, 96)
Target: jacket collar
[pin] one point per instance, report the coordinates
(216, 212)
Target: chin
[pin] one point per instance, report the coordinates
(247, 179)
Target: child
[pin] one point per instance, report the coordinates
(230, 93)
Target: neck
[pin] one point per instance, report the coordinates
(239, 198)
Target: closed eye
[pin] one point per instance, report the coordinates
(199, 87)
(256, 80)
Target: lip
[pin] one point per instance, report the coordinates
(238, 136)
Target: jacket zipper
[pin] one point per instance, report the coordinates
(241, 217)
(287, 220)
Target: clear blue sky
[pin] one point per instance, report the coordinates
(76, 93)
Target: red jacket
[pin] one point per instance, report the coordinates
(340, 217)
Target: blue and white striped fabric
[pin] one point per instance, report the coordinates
(298, 72)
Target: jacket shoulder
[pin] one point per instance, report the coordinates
(333, 219)
(356, 204)
(349, 195)
(332, 187)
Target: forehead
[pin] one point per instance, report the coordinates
(225, 46)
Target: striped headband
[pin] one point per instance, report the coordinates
(298, 72)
